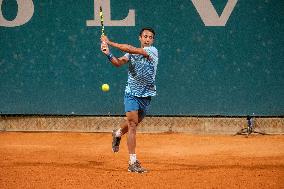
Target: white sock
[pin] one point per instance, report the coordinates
(118, 133)
(132, 158)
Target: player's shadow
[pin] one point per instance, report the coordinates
(104, 166)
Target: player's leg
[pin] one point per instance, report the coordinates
(117, 133)
(130, 104)
(123, 128)
(132, 121)
(133, 118)
(134, 164)
(121, 131)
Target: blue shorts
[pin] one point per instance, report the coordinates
(134, 103)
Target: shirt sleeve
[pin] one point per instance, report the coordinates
(152, 52)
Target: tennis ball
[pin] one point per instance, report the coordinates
(105, 87)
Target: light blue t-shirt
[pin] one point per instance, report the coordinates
(142, 73)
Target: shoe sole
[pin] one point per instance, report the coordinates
(137, 171)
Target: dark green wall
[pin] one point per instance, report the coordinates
(53, 65)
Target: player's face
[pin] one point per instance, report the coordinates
(146, 39)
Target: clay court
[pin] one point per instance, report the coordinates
(85, 160)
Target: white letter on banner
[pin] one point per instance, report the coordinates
(24, 14)
(209, 14)
(105, 4)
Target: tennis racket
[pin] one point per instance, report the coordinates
(102, 23)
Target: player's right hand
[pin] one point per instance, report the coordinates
(104, 48)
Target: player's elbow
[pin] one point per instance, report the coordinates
(119, 62)
(117, 65)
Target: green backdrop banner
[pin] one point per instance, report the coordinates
(218, 57)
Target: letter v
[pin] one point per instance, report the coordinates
(209, 14)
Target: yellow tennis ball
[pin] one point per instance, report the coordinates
(105, 87)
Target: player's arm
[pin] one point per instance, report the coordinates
(118, 61)
(125, 47)
(114, 60)
(128, 48)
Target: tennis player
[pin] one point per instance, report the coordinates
(140, 87)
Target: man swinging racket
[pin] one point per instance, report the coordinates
(140, 87)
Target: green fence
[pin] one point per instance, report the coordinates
(219, 57)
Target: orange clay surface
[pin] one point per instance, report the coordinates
(85, 160)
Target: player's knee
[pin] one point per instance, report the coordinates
(132, 124)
